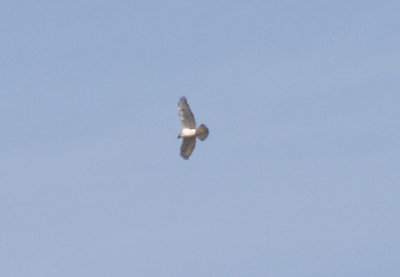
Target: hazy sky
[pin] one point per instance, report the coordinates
(300, 174)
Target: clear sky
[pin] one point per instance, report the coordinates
(300, 174)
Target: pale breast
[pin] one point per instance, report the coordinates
(187, 133)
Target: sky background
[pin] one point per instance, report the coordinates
(299, 176)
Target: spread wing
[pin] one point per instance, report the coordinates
(186, 114)
(187, 147)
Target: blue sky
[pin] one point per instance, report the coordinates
(300, 173)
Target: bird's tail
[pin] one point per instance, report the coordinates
(202, 132)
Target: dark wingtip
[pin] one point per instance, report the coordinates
(182, 99)
(186, 158)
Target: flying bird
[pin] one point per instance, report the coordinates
(189, 131)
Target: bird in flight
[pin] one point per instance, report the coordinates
(189, 131)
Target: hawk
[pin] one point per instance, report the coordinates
(189, 131)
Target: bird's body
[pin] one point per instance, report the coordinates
(189, 131)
